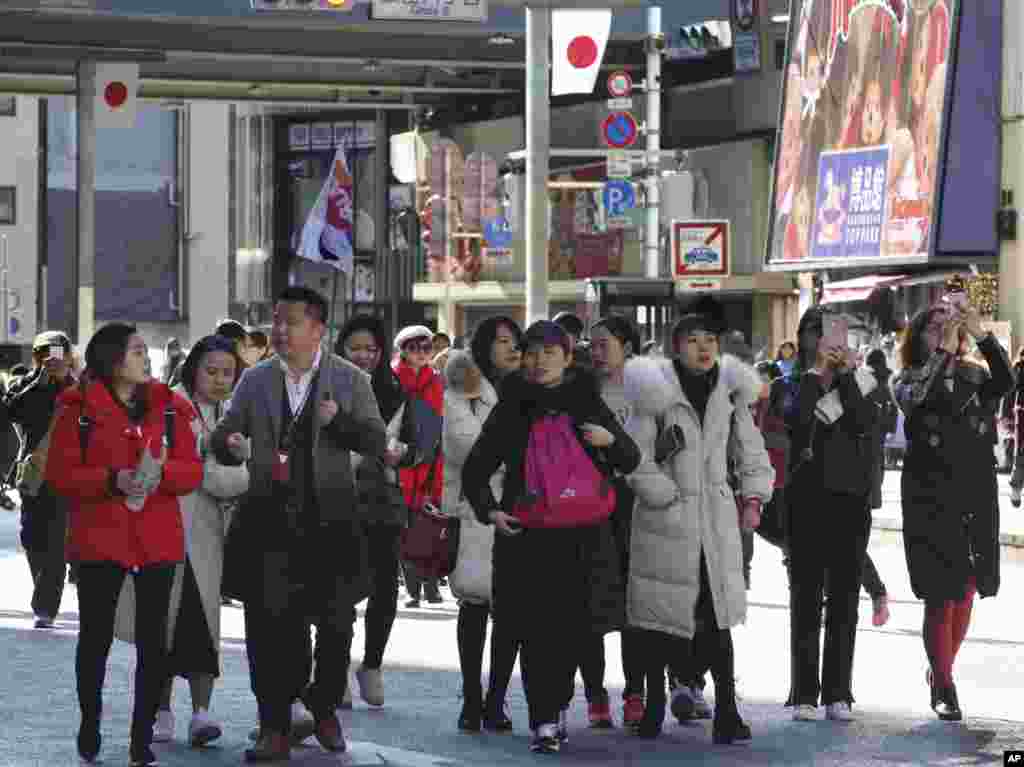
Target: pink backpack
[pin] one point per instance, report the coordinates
(563, 487)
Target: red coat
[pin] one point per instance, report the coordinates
(101, 527)
(427, 386)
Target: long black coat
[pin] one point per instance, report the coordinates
(950, 495)
(549, 579)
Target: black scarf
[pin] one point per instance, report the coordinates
(697, 386)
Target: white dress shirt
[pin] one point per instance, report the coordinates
(298, 384)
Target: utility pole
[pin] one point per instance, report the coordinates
(85, 260)
(652, 235)
(538, 151)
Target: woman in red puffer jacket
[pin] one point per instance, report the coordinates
(122, 521)
(423, 483)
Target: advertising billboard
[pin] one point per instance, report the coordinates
(859, 162)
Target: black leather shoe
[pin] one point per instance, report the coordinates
(654, 718)
(495, 718)
(470, 719)
(142, 756)
(270, 747)
(89, 740)
(729, 728)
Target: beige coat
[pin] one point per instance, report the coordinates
(205, 519)
(472, 580)
(688, 504)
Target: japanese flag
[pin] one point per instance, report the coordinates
(578, 40)
(116, 94)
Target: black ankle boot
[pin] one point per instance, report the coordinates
(495, 718)
(89, 739)
(728, 726)
(945, 703)
(472, 713)
(654, 716)
(142, 756)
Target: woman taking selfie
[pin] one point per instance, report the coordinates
(124, 518)
(830, 420)
(950, 495)
(558, 580)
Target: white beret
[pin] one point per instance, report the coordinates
(409, 333)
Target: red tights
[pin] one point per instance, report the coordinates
(945, 626)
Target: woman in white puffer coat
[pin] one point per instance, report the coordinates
(468, 399)
(686, 559)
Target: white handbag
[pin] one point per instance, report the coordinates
(471, 579)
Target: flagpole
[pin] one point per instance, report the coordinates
(334, 308)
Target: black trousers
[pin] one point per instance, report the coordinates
(828, 542)
(383, 544)
(633, 662)
(43, 530)
(688, 660)
(417, 585)
(299, 589)
(99, 586)
(472, 634)
(591, 664)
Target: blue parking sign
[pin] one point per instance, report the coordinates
(618, 197)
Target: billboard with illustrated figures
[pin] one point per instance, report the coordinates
(861, 160)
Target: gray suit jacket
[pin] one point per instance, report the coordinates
(256, 409)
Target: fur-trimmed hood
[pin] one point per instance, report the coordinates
(652, 385)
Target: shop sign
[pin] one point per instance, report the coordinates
(746, 41)
(700, 249)
(866, 100)
(699, 285)
(599, 255)
(429, 10)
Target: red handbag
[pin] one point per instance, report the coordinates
(431, 541)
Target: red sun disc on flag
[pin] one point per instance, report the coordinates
(582, 51)
(115, 94)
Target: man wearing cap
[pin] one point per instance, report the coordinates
(31, 403)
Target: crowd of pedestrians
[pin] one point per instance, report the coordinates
(601, 484)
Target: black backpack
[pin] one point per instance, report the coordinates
(421, 430)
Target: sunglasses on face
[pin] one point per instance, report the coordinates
(424, 347)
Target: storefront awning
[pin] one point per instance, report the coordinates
(859, 288)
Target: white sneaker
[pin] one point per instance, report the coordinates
(202, 729)
(371, 686)
(839, 712)
(805, 713)
(163, 728)
(303, 724)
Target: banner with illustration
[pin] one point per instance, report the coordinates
(863, 106)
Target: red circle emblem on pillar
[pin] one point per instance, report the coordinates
(582, 51)
(115, 94)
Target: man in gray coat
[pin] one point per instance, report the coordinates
(296, 418)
